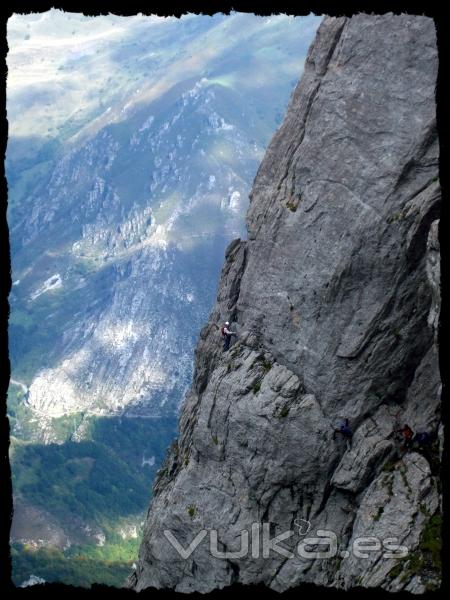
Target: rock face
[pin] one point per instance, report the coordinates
(335, 296)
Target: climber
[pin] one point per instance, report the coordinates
(407, 434)
(226, 335)
(424, 443)
(345, 430)
(422, 438)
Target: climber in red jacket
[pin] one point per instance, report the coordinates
(407, 435)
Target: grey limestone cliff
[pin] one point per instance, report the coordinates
(335, 296)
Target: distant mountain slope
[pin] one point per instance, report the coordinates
(117, 233)
(132, 148)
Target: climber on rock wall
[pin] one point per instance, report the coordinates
(226, 336)
(345, 430)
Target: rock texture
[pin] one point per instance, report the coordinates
(335, 296)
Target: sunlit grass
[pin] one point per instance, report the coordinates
(73, 60)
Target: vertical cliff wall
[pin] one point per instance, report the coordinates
(335, 296)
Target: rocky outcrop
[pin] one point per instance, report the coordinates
(335, 296)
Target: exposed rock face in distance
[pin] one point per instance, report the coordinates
(336, 298)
